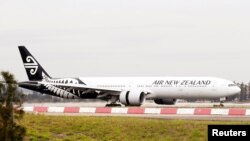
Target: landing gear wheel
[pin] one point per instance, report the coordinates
(113, 105)
(222, 100)
(220, 105)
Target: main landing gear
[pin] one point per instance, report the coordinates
(113, 105)
(113, 102)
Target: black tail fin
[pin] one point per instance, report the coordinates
(34, 70)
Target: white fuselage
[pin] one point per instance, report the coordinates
(127, 90)
(168, 87)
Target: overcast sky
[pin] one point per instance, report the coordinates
(128, 37)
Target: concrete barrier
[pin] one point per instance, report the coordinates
(103, 110)
(202, 111)
(28, 109)
(87, 110)
(141, 110)
(152, 111)
(55, 109)
(185, 111)
(40, 109)
(236, 111)
(71, 109)
(219, 111)
(119, 110)
(136, 110)
(169, 111)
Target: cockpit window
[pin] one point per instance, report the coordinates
(232, 85)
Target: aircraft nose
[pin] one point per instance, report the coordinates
(237, 90)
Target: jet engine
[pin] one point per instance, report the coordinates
(165, 101)
(132, 98)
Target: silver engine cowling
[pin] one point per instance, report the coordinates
(132, 98)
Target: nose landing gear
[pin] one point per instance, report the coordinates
(222, 100)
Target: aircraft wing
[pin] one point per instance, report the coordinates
(83, 87)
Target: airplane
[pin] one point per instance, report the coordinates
(128, 91)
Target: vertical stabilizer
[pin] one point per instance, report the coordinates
(33, 69)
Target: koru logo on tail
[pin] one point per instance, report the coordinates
(31, 64)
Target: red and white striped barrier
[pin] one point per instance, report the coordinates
(141, 110)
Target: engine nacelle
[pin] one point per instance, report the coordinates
(132, 98)
(165, 101)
